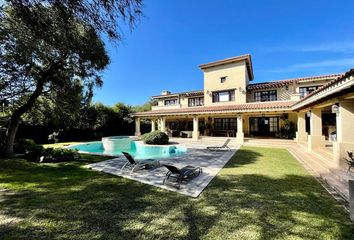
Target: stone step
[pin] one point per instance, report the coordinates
(318, 167)
(305, 156)
(326, 156)
(325, 152)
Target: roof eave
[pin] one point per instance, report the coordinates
(247, 58)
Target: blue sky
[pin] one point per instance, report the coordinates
(285, 38)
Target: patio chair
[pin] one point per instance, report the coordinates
(350, 161)
(224, 146)
(138, 164)
(176, 176)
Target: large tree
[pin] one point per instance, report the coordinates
(50, 46)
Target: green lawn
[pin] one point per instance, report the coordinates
(261, 194)
(60, 145)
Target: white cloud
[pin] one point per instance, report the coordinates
(329, 47)
(336, 47)
(344, 62)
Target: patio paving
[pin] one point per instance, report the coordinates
(210, 162)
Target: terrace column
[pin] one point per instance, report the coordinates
(137, 127)
(153, 125)
(195, 128)
(345, 132)
(239, 134)
(301, 134)
(316, 139)
(163, 124)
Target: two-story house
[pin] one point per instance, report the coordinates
(229, 101)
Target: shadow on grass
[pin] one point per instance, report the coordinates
(243, 157)
(67, 201)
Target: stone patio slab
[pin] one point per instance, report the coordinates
(210, 162)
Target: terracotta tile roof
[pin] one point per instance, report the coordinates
(189, 93)
(328, 84)
(245, 57)
(280, 105)
(282, 83)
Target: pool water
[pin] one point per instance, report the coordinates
(115, 145)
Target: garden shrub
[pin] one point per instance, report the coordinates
(156, 137)
(31, 150)
(59, 155)
(288, 130)
(24, 145)
(36, 152)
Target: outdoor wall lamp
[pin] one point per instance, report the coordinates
(308, 114)
(335, 109)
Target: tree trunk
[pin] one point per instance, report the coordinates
(16, 117)
(10, 136)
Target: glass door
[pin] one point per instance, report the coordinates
(264, 126)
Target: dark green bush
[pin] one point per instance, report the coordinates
(31, 150)
(59, 155)
(24, 145)
(288, 130)
(36, 152)
(156, 137)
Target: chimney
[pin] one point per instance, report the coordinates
(165, 92)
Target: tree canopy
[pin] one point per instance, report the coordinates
(54, 49)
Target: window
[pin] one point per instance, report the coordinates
(257, 96)
(304, 91)
(264, 126)
(190, 126)
(170, 102)
(265, 96)
(253, 125)
(224, 96)
(223, 79)
(225, 124)
(273, 124)
(172, 125)
(273, 95)
(198, 101)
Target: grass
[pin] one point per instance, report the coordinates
(260, 194)
(60, 145)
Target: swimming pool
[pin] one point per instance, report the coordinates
(115, 145)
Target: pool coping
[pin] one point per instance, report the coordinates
(140, 142)
(155, 177)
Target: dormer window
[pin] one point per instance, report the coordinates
(223, 79)
(304, 91)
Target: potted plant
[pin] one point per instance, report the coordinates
(208, 128)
